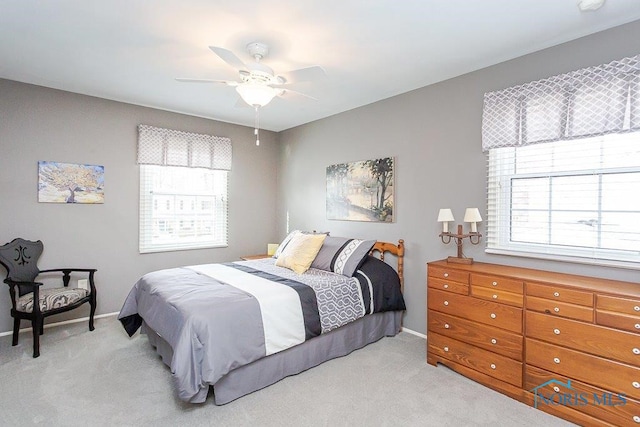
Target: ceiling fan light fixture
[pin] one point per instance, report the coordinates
(256, 95)
(590, 5)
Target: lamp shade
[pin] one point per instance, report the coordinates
(445, 215)
(256, 94)
(472, 215)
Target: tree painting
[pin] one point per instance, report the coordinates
(361, 191)
(70, 183)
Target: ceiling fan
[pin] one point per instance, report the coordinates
(258, 84)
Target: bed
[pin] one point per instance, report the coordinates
(239, 327)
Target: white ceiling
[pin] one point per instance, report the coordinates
(132, 50)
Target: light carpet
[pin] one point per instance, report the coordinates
(105, 378)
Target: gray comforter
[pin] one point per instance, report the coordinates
(218, 317)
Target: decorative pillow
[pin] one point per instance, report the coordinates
(287, 239)
(300, 252)
(342, 255)
(285, 242)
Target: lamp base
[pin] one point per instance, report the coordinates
(457, 260)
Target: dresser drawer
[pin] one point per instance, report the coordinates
(605, 342)
(610, 375)
(626, 306)
(602, 404)
(490, 338)
(497, 295)
(619, 321)
(556, 293)
(494, 365)
(487, 312)
(448, 285)
(448, 274)
(561, 309)
(500, 283)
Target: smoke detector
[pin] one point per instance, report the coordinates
(590, 5)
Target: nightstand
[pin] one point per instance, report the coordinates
(250, 257)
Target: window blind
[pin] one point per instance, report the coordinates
(182, 208)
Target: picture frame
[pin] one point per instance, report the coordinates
(361, 191)
(70, 183)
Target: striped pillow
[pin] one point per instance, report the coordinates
(342, 255)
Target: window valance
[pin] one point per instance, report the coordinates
(589, 102)
(167, 147)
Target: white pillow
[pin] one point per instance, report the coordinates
(285, 242)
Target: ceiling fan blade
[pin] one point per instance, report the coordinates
(228, 57)
(287, 92)
(188, 80)
(305, 74)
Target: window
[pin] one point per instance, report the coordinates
(176, 229)
(567, 198)
(564, 166)
(179, 170)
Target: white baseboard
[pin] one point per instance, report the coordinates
(418, 334)
(66, 322)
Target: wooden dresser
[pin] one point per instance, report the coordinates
(567, 344)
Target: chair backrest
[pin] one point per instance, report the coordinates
(20, 258)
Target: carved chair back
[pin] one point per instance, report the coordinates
(20, 258)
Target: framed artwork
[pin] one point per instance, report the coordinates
(361, 191)
(70, 183)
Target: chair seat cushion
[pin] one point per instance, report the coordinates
(51, 298)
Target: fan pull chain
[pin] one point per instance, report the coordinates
(255, 131)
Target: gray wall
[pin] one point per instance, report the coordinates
(434, 134)
(37, 123)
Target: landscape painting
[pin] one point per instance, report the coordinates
(361, 191)
(70, 183)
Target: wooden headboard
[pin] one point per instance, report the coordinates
(397, 250)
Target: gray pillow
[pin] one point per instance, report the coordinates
(342, 255)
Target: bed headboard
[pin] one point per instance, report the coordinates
(397, 250)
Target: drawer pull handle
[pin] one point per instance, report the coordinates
(556, 331)
(446, 326)
(446, 349)
(636, 351)
(556, 309)
(494, 284)
(556, 389)
(635, 384)
(446, 303)
(445, 286)
(494, 341)
(494, 296)
(493, 366)
(637, 326)
(493, 315)
(446, 274)
(636, 418)
(556, 294)
(636, 308)
(556, 360)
